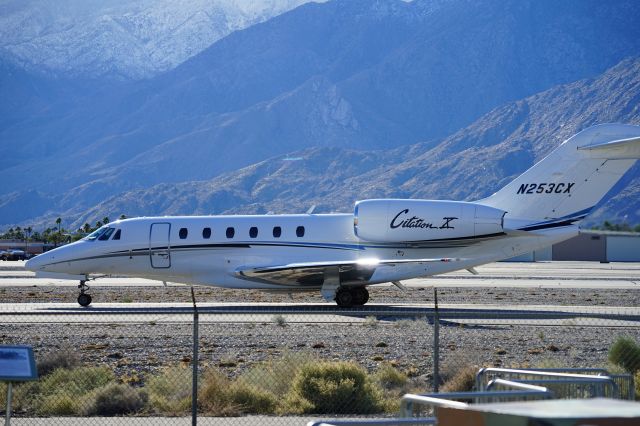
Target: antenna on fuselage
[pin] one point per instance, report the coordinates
(311, 209)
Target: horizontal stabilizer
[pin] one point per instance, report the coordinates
(621, 149)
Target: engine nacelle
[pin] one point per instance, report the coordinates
(397, 221)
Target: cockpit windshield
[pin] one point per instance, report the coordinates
(101, 234)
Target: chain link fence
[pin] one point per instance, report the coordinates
(287, 364)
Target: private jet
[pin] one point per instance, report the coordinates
(383, 240)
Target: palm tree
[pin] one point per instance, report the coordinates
(59, 237)
(86, 228)
(26, 244)
(105, 220)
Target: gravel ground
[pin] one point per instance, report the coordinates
(134, 350)
(382, 294)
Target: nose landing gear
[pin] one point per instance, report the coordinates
(84, 299)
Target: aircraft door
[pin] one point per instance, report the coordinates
(159, 248)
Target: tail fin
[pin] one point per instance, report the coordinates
(571, 180)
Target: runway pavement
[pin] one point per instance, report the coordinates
(578, 275)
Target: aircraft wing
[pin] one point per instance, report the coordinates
(311, 274)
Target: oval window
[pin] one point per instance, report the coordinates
(206, 233)
(231, 232)
(277, 231)
(253, 232)
(300, 231)
(183, 233)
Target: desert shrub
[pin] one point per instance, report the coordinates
(62, 391)
(62, 358)
(170, 391)
(59, 404)
(275, 376)
(336, 388)
(625, 352)
(250, 399)
(220, 396)
(115, 399)
(462, 381)
(390, 377)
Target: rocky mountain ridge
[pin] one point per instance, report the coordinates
(354, 76)
(468, 165)
(117, 39)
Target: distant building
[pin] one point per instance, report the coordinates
(33, 247)
(591, 245)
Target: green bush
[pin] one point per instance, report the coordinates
(170, 391)
(625, 352)
(219, 396)
(390, 377)
(63, 391)
(250, 399)
(275, 376)
(334, 388)
(115, 399)
(58, 404)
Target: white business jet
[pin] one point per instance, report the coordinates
(384, 240)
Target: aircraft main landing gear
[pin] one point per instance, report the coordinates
(84, 299)
(348, 297)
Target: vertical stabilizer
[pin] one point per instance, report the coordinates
(572, 179)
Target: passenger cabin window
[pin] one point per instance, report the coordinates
(277, 231)
(253, 232)
(300, 231)
(106, 234)
(231, 232)
(206, 233)
(183, 233)
(116, 236)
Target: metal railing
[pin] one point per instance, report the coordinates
(569, 385)
(371, 422)
(446, 399)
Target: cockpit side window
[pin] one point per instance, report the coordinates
(106, 234)
(116, 236)
(96, 234)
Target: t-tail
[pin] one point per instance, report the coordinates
(565, 186)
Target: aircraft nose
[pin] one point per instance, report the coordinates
(35, 263)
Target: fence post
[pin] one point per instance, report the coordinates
(436, 342)
(194, 358)
(7, 420)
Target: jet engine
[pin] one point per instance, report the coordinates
(393, 221)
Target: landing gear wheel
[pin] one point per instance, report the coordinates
(344, 298)
(84, 299)
(360, 296)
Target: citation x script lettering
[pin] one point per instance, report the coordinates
(416, 222)
(385, 240)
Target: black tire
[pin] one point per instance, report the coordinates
(344, 298)
(84, 300)
(360, 296)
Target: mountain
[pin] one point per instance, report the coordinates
(470, 164)
(121, 39)
(348, 75)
